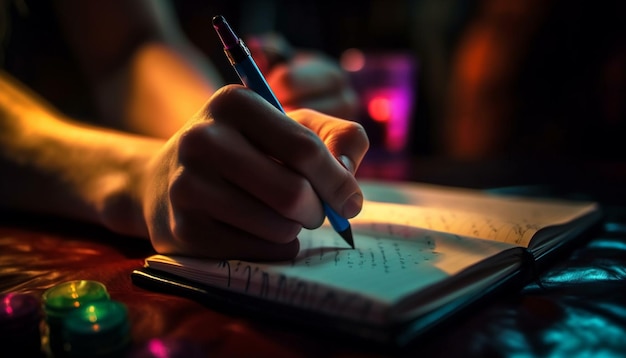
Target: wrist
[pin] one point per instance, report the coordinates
(123, 193)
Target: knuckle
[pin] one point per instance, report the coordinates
(355, 130)
(225, 100)
(202, 142)
(294, 197)
(352, 134)
(287, 232)
(355, 127)
(190, 141)
(310, 148)
(181, 188)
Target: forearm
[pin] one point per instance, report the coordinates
(147, 77)
(158, 90)
(50, 165)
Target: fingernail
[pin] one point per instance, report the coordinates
(347, 163)
(352, 206)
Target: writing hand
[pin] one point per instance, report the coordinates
(241, 179)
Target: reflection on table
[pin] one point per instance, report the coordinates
(578, 307)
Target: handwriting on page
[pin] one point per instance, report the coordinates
(400, 249)
(390, 261)
(517, 231)
(393, 258)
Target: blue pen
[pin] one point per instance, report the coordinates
(239, 57)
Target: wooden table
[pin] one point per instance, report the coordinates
(586, 288)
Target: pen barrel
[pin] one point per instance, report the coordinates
(249, 73)
(237, 53)
(336, 221)
(251, 77)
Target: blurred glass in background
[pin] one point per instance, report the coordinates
(385, 84)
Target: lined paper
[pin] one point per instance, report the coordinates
(428, 235)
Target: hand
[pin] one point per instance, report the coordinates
(302, 79)
(241, 179)
(314, 81)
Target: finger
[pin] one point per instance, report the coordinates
(346, 140)
(292, 144)
(224, 150)
(221, 201)
(196, 236)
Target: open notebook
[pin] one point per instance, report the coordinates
(423, 253)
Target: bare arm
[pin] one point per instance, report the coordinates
(147, 77)
(53, 166)
(238, 180)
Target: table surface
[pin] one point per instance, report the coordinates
(580, 307)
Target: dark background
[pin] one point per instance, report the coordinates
(562, 95)
(566, 94)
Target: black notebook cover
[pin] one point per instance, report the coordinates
(324, 325)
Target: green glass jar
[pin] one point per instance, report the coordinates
(59, 301)
(99, 329)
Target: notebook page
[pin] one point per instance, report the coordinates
(400, 249)
(475, 213)
(392, 259)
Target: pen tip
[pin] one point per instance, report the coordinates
(347, 236)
